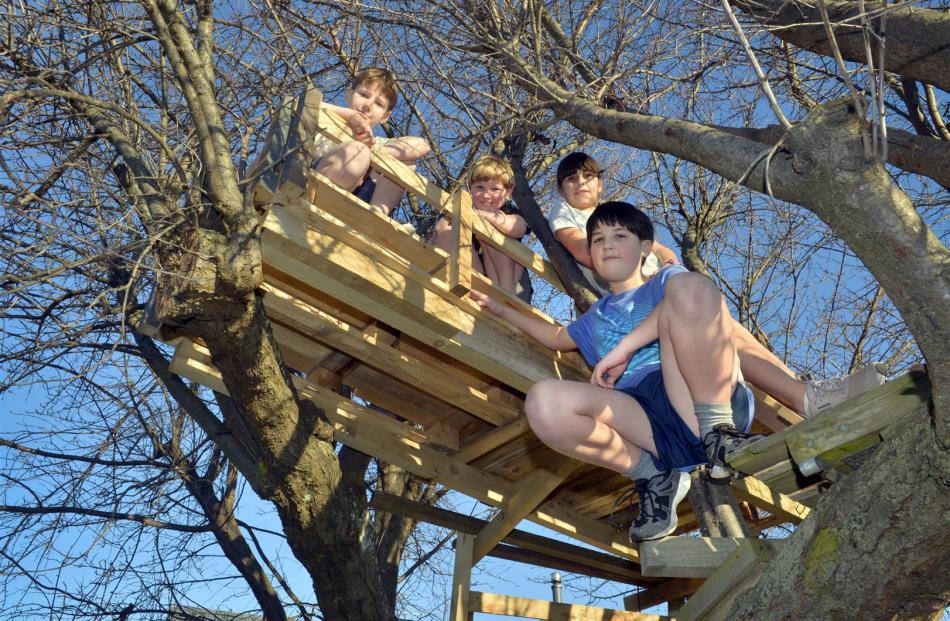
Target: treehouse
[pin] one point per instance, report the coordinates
(358, 300)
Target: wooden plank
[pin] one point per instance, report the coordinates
(400, 301)
(340, 335)
(384, 231)
(855, 421)
(333, 125)
(664, 592)
(739, 573)
(532, 490)
(567, 556)
(686, 557)
(492, 439)
(392, 441)
(512, 606)
(857, 424)
(461, 578)
(776, 416)
(759, 494)
(460, 260)
(285, 159)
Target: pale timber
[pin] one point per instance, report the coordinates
(358, 300)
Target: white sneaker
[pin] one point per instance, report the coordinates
(825, 394)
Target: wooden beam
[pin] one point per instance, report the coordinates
(664, 592)
(512, 606)
(857, 424)
(560, 554)
(399, 300)
(462, 578)
(754, 491)
(285, 159)
(686, 557)
(846, 428)
(383, 437)
(740, 572)
(460, 261)
(532, 490)
(491, 440)
(337, 334)
(333, 125)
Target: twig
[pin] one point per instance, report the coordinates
(763, 81)
(836, 51)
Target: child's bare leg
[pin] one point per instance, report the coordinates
(767, 371)
(502, 269)
(701, 334)
(387, 193)
(610, 429)
(596, 425)
(442, 238)
(346, 164)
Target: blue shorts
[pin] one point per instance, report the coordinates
(676, 445)
(364, 191)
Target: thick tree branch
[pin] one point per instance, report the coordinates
(918, 40)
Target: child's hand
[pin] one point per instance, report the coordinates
(486, 302)
(610, 367)
(361, 128)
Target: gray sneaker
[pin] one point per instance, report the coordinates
(822, 395)
(721, 442)
(659, 497)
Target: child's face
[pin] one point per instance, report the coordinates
(489, 194)
(369, 99)
(616, 253)
(582, 189)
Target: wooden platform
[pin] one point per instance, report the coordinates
(357, 299)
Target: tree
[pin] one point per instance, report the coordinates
(579, 59)
(127, 128)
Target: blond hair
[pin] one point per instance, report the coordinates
(381, 77)
(492, 168)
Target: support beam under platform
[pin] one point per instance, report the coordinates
(550, 611)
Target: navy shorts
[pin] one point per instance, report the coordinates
(364, 191)
(675, 442)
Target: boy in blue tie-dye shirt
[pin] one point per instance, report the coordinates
(665, 394)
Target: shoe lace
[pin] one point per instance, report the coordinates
(729, 431)
(642, 490)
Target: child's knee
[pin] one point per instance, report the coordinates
(694, 296)
(541, 410)
(354, 157)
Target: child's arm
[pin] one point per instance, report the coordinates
(614, 363)
(357, 122)
(552, 336)
(575, 240)
(407, 148)
(664, 255)
(508, 224)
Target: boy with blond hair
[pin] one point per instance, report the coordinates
(370, 99)
(491, 182)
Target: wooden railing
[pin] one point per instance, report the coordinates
(282, 173)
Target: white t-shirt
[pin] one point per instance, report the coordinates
(563, 216)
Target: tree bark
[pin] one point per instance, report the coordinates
(322, 514)
(877, 546)
(916, 45)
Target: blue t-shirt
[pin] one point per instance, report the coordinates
(613, 317)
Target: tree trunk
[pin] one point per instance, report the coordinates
(876, 547)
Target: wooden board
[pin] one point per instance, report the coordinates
(512, 606)
(759, 494)
(686, 557)
(739, 573)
